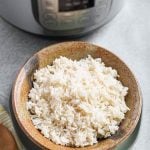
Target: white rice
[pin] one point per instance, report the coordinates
(75, 103)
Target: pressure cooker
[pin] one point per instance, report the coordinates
(59, 17)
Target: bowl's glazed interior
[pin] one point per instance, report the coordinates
(75, 50)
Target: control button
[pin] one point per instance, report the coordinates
(67, 21)
(67, 15)
(48, 16)
(85, 21)
(50, 23)
(84, 18)
(48, 9)
(50, 19)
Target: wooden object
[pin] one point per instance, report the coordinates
(75, 50)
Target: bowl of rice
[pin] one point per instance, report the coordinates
(76, 95)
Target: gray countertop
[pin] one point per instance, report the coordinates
(128, 36)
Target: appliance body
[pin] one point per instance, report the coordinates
(59, 17)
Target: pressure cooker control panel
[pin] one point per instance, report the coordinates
(72, 14)
(72, 5)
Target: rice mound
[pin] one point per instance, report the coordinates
(76, 103)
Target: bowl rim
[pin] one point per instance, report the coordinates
(14, 109)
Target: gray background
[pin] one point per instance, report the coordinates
(128, 36)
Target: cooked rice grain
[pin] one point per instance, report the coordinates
(74, 103)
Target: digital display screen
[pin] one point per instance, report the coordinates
(72, 5)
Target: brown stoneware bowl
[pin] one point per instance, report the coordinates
(75, 50)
